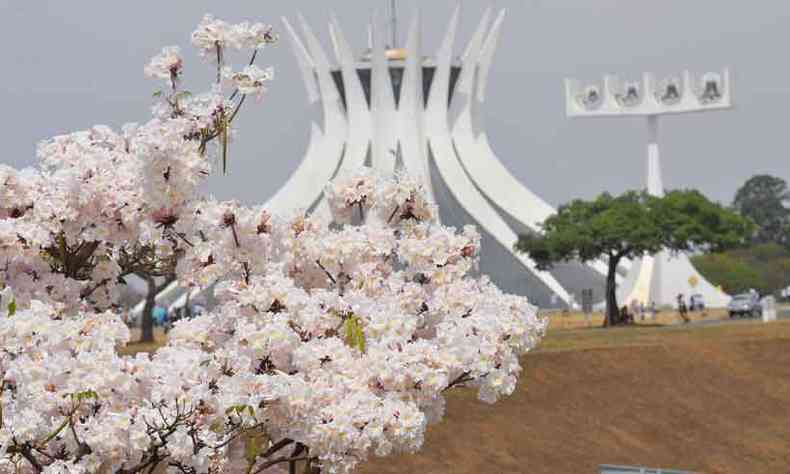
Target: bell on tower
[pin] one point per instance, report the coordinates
(631, 97)
(712, 88)
(670, 91)
(590, 98)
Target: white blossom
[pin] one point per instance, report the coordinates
(341, 338)
(251, 80)
(166, 65)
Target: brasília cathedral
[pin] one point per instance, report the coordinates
(393, 108)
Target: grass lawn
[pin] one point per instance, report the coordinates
(578, 320)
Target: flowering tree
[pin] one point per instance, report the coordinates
(328, 345)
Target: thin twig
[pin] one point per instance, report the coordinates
(460, 380)
(236, 110)
(235, 235)
(219, 61)
(246, 272)
(329, 275)
(281, 460)
(277, 446)
(394, 211)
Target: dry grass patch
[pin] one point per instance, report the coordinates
(578, 320)
(712, 399)
(709, 398)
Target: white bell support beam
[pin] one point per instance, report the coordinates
(662, 277)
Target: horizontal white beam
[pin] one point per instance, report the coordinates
(615, 98)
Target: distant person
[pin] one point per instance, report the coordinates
(642, 310)
(160, 315)
(682, 309)
(625, 316)
(634, 307)
(755, 295)
(653, 310)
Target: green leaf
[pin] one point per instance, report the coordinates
(355, 334)
(12, 307)
(254, 444)
(240, 410)
(157, 94)
(84, 395)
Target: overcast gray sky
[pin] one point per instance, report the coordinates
(69, 64)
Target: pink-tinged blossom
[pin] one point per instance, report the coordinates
(352, 194)
(255, 35)
(166, 65)
(340, 338)
(212, 33)
(251, 80)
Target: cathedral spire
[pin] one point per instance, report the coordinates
(393, 15)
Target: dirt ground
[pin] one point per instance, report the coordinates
(709, 399)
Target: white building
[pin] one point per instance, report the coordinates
(394, 107)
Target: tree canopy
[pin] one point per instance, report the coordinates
(632, 225)
(765, 200)
(764, 267)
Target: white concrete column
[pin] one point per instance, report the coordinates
(655, 186)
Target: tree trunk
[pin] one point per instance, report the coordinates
(147, 324)
(612, 311)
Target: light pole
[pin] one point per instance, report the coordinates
(659, 278)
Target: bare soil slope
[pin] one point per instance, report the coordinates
(713, 399)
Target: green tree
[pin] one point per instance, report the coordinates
(764, 199)
(764, 267)
(632, 225)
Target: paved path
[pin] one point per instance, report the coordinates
(782, 312)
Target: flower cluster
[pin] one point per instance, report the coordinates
(213, 33)
(330, 342)
(354, 192)
(166, 65)
(250, 80)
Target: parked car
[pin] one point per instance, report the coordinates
(745, 305)
(696, 302)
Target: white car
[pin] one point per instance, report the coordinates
(745, 305)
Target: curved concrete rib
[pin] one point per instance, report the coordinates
(489, 174)
(471, 57)
(436, 111)
(357, 111)
(304, 61)
(487, 55)
(447, 162)
(481, 211)
(382, 105)
(334, 115)
(411, 110)
(305, 186)
(325, 149)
